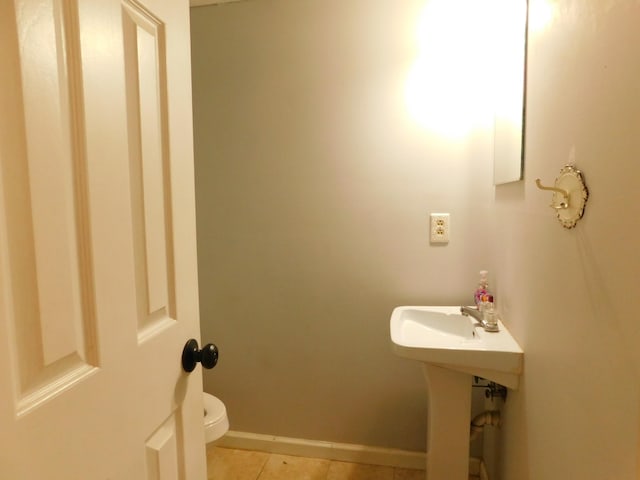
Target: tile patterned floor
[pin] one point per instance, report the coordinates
(232, 464)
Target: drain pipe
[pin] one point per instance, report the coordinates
(490, 417)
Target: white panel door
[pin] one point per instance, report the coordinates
(98, 281)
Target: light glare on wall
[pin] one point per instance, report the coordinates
(541, 13)
(450, 88)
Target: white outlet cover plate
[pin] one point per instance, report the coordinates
(439, 228)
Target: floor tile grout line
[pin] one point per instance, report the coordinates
(264, 465)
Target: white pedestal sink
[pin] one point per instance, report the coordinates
(453, 348)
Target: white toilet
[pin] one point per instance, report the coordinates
(216, 422)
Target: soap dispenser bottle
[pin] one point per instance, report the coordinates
(482, 292)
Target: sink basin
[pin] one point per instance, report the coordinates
(444, 337)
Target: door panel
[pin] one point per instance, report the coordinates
(53, 321)
(163, 454)
(98, 289)
(145, 70)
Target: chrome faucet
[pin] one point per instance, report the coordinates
(478, 315)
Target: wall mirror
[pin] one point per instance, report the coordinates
(510, 88)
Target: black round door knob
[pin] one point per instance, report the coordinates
(191, 355)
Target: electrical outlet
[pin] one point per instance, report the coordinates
(439, 228)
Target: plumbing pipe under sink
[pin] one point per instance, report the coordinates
(490, 417)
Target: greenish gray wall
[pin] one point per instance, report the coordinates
(313, 193)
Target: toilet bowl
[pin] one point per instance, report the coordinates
(216, 422)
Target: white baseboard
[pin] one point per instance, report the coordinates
(344, 452)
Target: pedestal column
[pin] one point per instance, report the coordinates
(448, 426)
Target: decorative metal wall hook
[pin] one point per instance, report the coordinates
(570, 195)
(564, 193)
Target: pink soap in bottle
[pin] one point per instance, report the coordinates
(482, 292)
